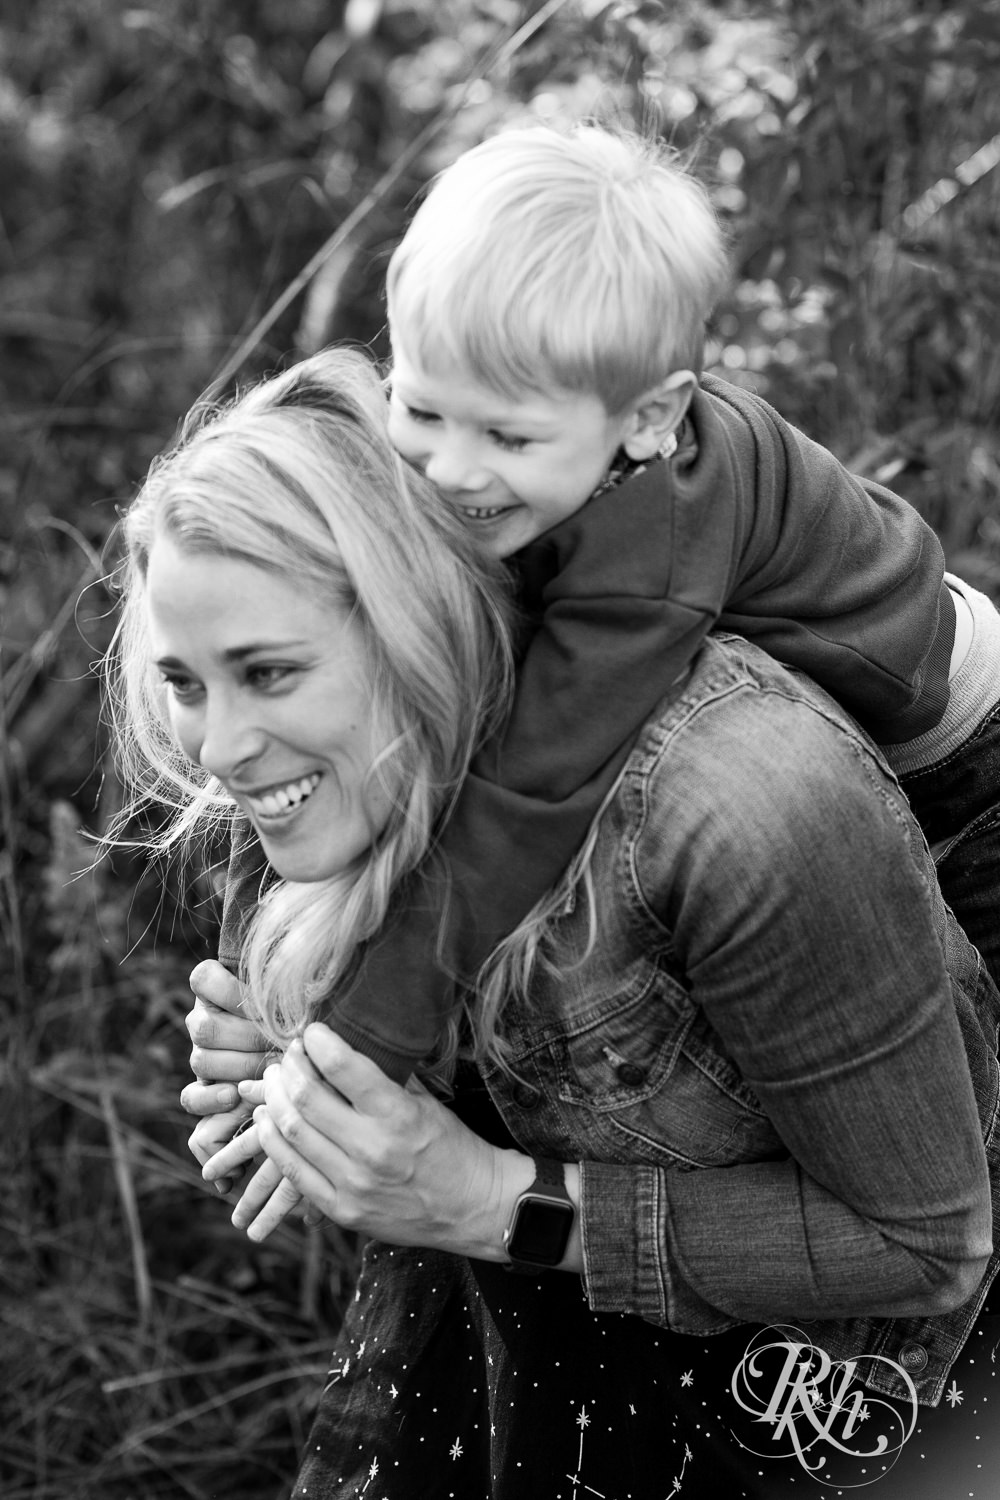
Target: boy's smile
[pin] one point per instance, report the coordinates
(512, 468)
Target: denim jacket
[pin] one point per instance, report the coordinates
(776, 1059)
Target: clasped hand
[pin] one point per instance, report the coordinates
(385, 1161)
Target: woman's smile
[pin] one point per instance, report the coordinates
(278, 802)
(270, 688)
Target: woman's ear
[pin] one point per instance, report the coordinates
(657, 414)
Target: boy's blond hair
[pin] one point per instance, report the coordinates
(544, 260)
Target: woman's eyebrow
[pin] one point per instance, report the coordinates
(240, 653)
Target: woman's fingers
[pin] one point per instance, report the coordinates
(234, 1153)
(214, 983)
(311, 1181)
(226, 1046)
(267, 1199)
(355, 1077)
(212, 1134)
(201, 1098)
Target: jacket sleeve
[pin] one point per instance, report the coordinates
(837, 575)
(781, 864)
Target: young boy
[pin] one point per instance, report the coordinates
(547, 310)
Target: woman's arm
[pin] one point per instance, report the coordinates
(799, 898)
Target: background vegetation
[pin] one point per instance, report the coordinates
(190, 193)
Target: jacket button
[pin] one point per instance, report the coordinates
(913, 1358)
(631, 1073)
(526, 1097)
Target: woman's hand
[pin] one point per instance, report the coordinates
(227, 1049)
(374, 1157)
(226, 1046)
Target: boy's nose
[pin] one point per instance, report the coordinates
(455, 466)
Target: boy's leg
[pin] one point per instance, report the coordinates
(957, 801)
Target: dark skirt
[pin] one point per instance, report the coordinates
(458, 1380)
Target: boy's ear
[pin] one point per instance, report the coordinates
(657, 413)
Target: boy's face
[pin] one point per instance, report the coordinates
(512, 468)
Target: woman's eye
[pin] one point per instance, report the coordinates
(183, 689)
(417, 414)
(267, 676)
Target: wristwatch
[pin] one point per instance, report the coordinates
(543, 1218)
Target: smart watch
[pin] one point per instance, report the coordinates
(543, 1218)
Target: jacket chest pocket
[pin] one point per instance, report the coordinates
(649, 1082)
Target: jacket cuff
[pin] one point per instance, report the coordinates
(628, 1265)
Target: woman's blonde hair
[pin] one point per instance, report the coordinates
(541, 260)
(296, 476)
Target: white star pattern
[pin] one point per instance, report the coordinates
(953, 1395)
(679, 1478)
(456, 1450)
(687, 1378)
(583, 1422)
(393, 1392)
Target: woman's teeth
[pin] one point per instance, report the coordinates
(271, 804)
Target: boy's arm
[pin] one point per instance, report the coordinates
(838, 576)
(610, 644)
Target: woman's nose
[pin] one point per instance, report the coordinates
(231, 739)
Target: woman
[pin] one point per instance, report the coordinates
(746, 1026)
(292, 493)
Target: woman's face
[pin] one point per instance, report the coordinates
(271, 691)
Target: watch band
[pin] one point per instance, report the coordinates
(551, 1174)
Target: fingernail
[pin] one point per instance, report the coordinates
(223, 1185)
(228, 1098)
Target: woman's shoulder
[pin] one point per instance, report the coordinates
(749, 754)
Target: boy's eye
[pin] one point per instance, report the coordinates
(417, 414)
(509, 442)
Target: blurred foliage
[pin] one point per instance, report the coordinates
(189, 192)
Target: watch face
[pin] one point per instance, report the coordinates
(541, 1231)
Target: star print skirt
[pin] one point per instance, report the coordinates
(457, 1380)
